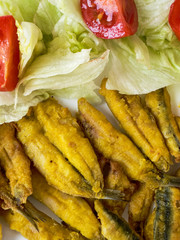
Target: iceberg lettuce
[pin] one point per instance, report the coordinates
(60, 55)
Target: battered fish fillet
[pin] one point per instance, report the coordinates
(114, 145)
(114, 178)
(159, 104)
(51, 163)
(72, 210)
(139, 207)
(112, 227)
(15, 163)
(139, 124)
(48, 229)
(64, 132)
(164, 223)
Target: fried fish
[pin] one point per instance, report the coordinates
(74, 211)
(139, 124)
(52, 164)
(48, 229)
(164, 221)
(114, 145)
(112, 227)
(15, 163)
(159, 104)
(64, 132)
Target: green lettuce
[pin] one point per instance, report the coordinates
(9, 111)
(60, 56)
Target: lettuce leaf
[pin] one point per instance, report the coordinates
(9, 112)
(30, 43)
(84, 73)
(60, 56)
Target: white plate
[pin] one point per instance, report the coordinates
(72, 105)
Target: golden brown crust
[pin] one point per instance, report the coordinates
(139, 207)
(72, 210)
(139, 124)
(114, 145)
(63, 131)
(49, 160)
(15, 163)
(159, 104)
(48, 229)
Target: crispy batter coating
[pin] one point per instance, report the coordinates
(15, 163)
(48, 229)
(115, 178)
(72, 210)
(49, 160)
(112, 227)
(139, 207)
(114, 145)
(159, 104)
(139, 124)
(53, 166)
(64, 132)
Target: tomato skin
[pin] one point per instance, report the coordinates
(110, 19)
(174, 18)
(9, 53)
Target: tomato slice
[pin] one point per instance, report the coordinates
(9, 54)
(110, 19)
(174, 18)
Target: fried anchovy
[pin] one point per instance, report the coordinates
(115, 178)
(15, 163)
(51, 163)
(167, 214)
(48, 229)
(114, 145)
(159, 104)
(72, 210)
(139, 124)
(139, 207)
(64, 132)
(9, 202)
(112, 227)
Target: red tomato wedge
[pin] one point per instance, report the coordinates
(9, 54)
(174, 18)
(109, 19)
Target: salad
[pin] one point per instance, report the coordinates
(59, 55)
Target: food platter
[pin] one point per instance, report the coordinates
(68, 59)
(72, 105)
